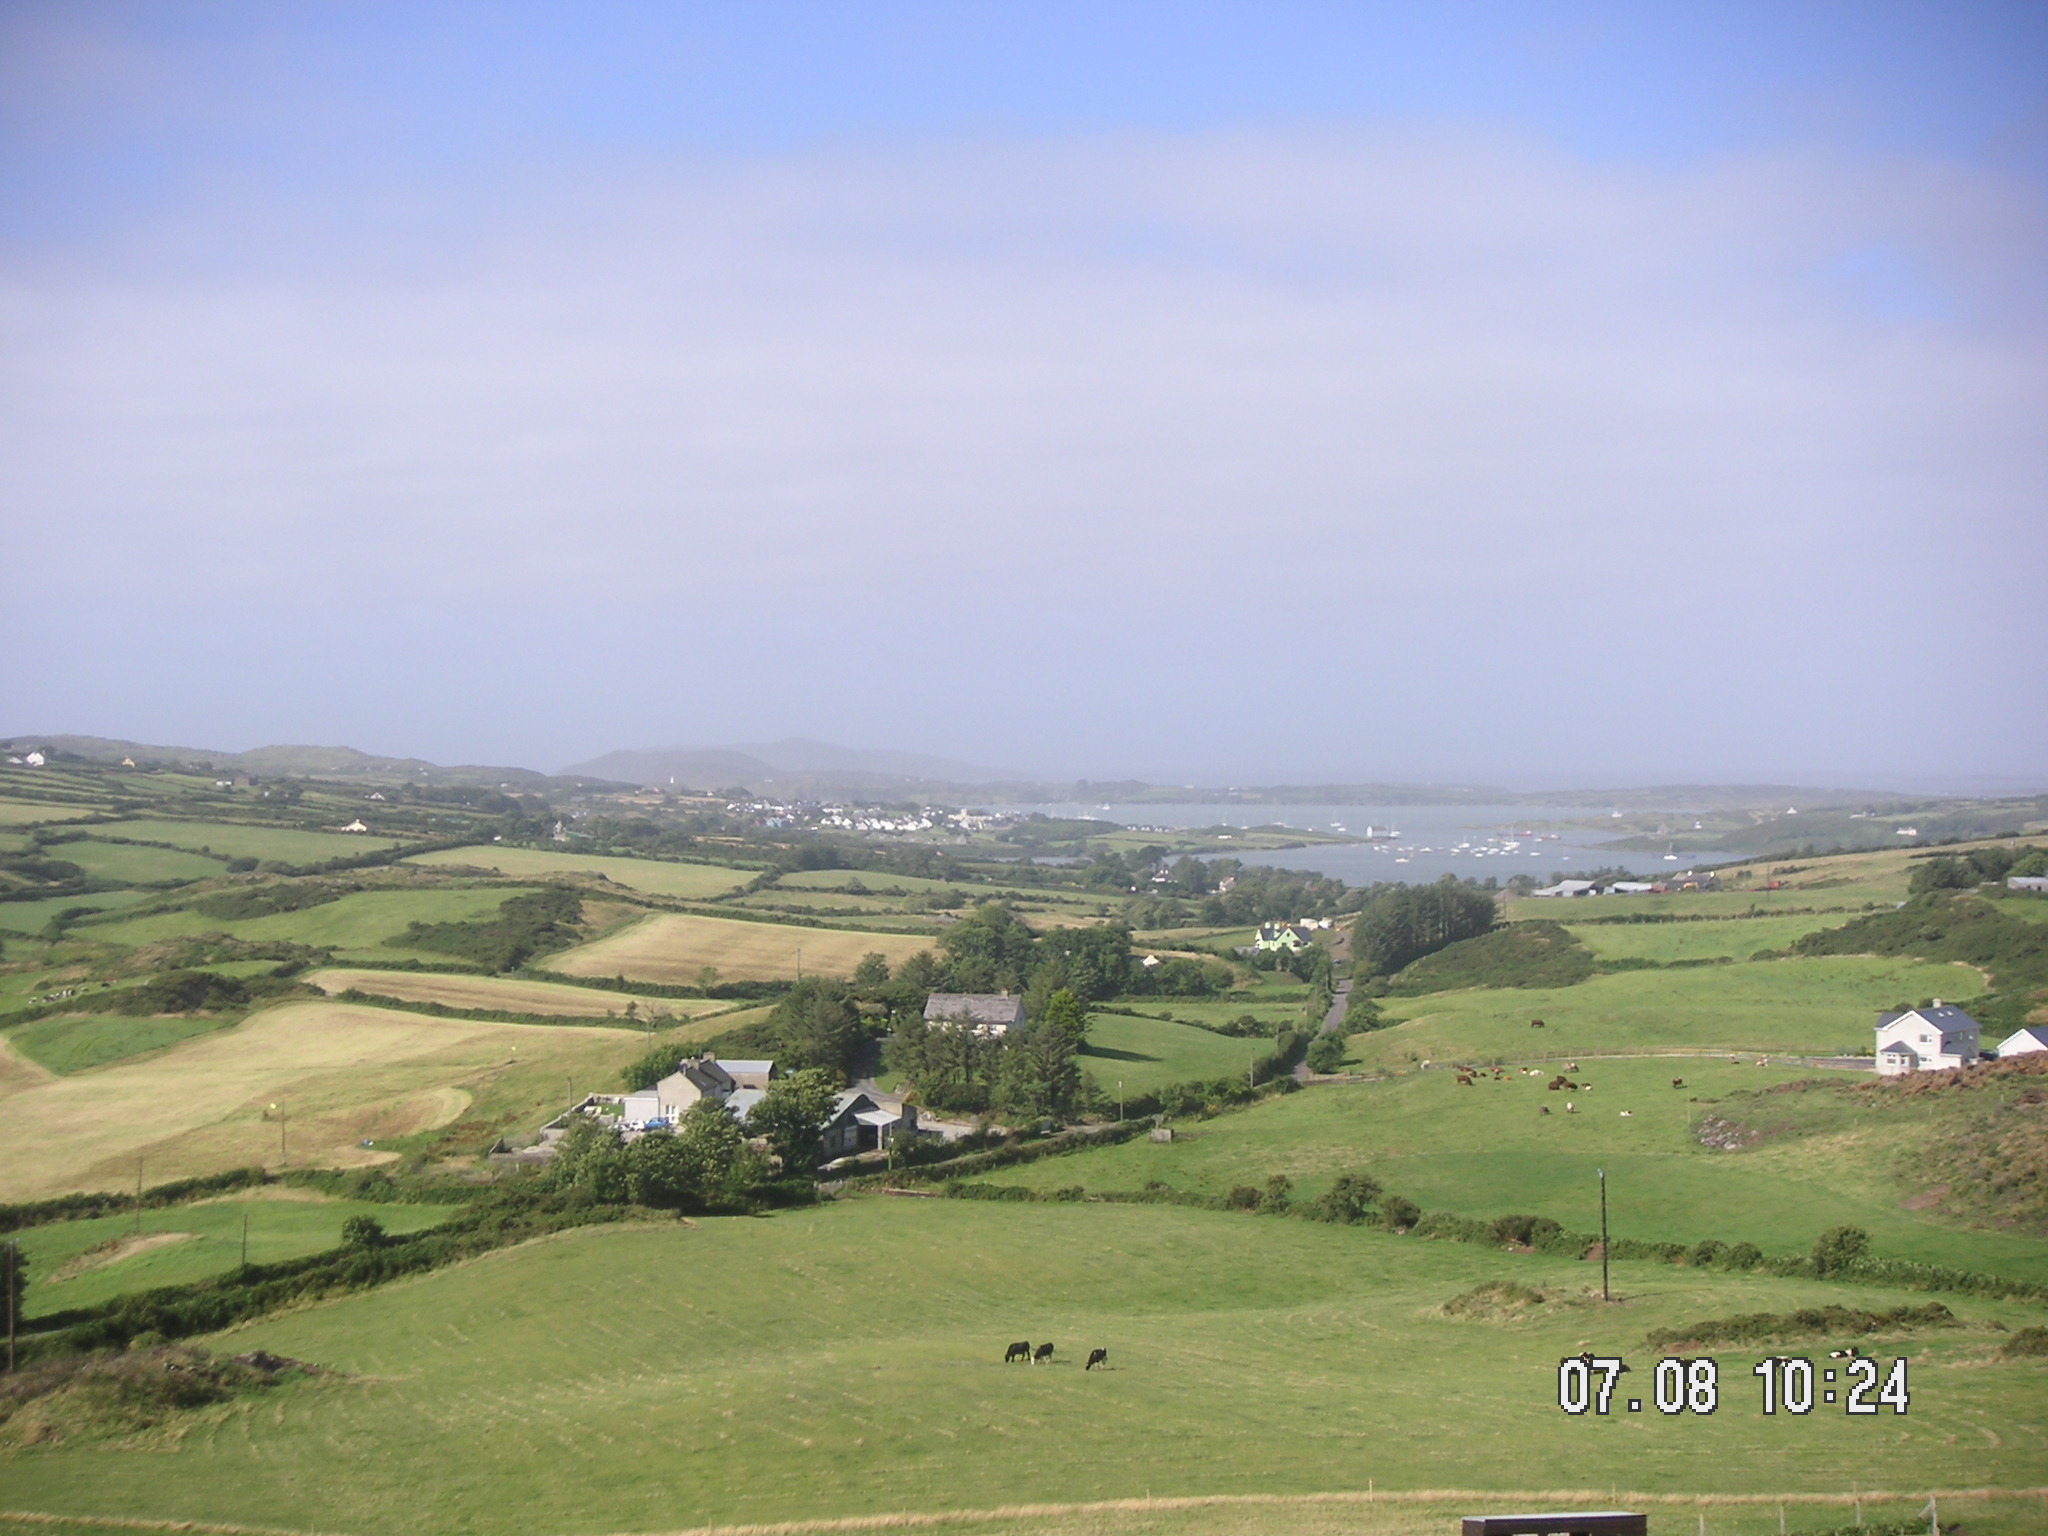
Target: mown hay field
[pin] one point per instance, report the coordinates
(654, 876)
(343, 1074)
(286, 845)
(1823, 1005)
(510, 994)
(674, 947)
(31, 813)
(846, 1361)
(1489, 1150)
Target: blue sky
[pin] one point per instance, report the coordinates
(1538, 393)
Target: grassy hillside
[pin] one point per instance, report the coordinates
(657, 877)
(848, 1361)
(1803, 1005)
(1489, 1150)
(1145, 1054)
(82, 1263)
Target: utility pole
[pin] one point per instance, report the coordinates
(1119, 1101)
(1604, 1296)
(12, 1248)
(245, 1239)
(138, 1197)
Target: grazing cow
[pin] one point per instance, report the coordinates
(1542, 1109)
(1556, 1082)
(1043, 1352)
(1021, 1350)
(1570, 1108)
(1678, 1082)
(1536, 1024)
(1464, 1082)
(1627, 1114)
(1097, 1357)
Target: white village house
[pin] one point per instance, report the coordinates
(1930, 1039)
(2024, 1042)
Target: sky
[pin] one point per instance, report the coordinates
(1533, 393)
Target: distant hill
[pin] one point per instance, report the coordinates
(281, 761)
(797, 765)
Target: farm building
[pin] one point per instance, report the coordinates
(989, 1013)
(2024, 1042)
(1569, 888)
(1930, 1039)
(2026, 883)
(1691, 880)
(738, 1085)
(1631, 888)
(1292, 937)
(859, 1123)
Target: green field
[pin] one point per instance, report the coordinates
(1488, 1151)
(189, 1242)
(1816, 1005)
(139, 866)
(33, 916)
(656, 877)
(846, 1361)
(356, 925)
(1150, 1053)
(74, 1043)
(285, 845)
(1737, 937)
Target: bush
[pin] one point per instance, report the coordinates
(1326, 1054)
(1399, 1215)
(1839, 1247)
(1742, 1256)
(362, 1232)
(1349, 1200)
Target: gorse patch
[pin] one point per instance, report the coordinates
(523, 927)
(1806, 1322)
(1537, 953)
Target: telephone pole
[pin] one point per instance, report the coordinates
(12, 1246)
(1604, 1296)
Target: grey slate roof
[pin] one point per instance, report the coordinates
(981, 1008)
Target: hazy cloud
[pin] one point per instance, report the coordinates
(1365, 451)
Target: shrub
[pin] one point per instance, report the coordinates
(1399, 1215)
(1326, 1054)
(1706, 1254)
(1839, 1247)
(1743, 1256)
(2026, 1344)
(1349, 1200)
(362, 1232)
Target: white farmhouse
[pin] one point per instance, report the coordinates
(2027, 1041)
(1929, 1039)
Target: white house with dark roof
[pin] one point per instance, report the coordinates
(2024, 1042)
(1930, 1039)
(987, 1013)
(738, 1085)
(861, 1123)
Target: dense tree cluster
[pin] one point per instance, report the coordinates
(1023, 1074)
(1966, 871)
(1405, 922)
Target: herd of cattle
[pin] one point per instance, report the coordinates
(1022, 1350)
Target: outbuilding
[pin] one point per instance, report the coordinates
(2024, 1042)
(987, 1013)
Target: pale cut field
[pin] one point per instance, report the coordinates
(650, 875)
(512, 994)
(676, 946)
(26, 813)
(342, 1073)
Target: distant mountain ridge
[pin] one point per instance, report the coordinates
(798, 758)
(280, 761)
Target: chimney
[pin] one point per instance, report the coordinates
(1937, 1002)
